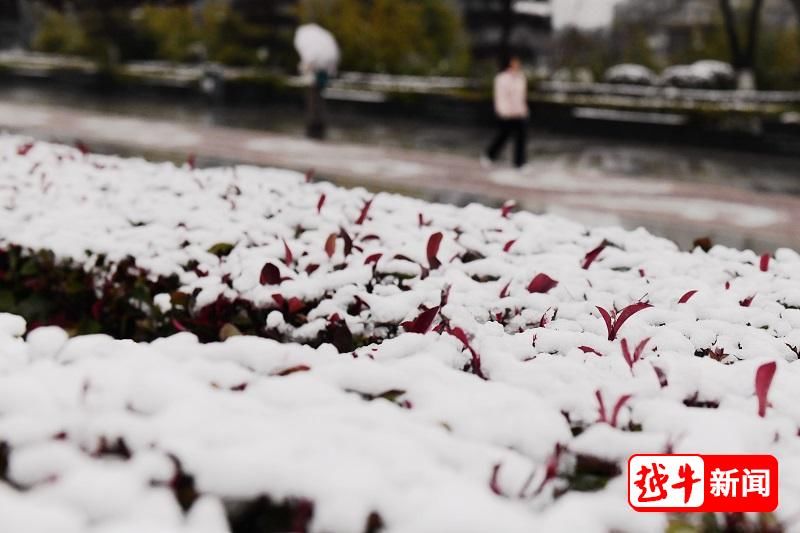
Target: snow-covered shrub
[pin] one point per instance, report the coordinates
(707, 74)
(456, 369)
(630, 74)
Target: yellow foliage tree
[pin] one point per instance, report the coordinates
(394, 36)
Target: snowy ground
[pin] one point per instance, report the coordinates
(479, 413)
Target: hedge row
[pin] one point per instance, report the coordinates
(118, 299)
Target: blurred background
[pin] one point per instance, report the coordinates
(682, 116)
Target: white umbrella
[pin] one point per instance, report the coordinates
(317, 48)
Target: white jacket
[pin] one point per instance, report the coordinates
(511, 95)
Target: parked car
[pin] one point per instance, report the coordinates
(629, 74)
(707, 74)
(718, 74)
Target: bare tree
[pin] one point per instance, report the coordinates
(507, 28)
(743, 45)
(796, 4)
(494, 25)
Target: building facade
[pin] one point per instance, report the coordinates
(498, 28)
(673, 26)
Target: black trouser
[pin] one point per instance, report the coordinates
(507, 127)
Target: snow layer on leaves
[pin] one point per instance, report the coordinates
(414, 436)
(243, 430)
(168, 218)
(406, 422)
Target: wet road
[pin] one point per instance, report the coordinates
(739, 199)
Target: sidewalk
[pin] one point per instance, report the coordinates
(679, 210)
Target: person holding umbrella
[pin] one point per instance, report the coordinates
(319, 60)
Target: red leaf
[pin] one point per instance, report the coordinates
(627, 313)
(686, 297)
(288, 257)
(507, 208)
(374, 258)
(361, 303)
(82, 147)
(97, 309)
(642, 273)
(627, 354)
(494, 483)
(422, 324)
(588, 349)
(310, 175)
(504, 292)
(542, 284)
(460, 335)
(764, 376)
(292, 370)
(476, 358)
(609, 322)
(425, 272)
(364, 211)
(592, 256)
(292, 305)
(270, 275)
(662, 376)
(191, 161)
(615, 411)
(544, 320)
(637, 353)
(330, 245)
(320, 202)
(618, 407)
(764, 264)
(445, 296)
(509, 245)
(747, 301)
(295, 305)
(310, 269)
(615, 323)
(421, 220)
(601, 407)
(23, 149)
(434, 242)
(348, 242)
(551, 469)
(177, 325)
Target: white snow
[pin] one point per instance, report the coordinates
(630, 73)
(533, 7)
(583, 13)
(421, 457)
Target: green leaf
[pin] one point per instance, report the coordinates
(7, 302)
(29, 268)
(221, 249)
(227, 331)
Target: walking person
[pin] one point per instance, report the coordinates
(319, 60)
(511, 107)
